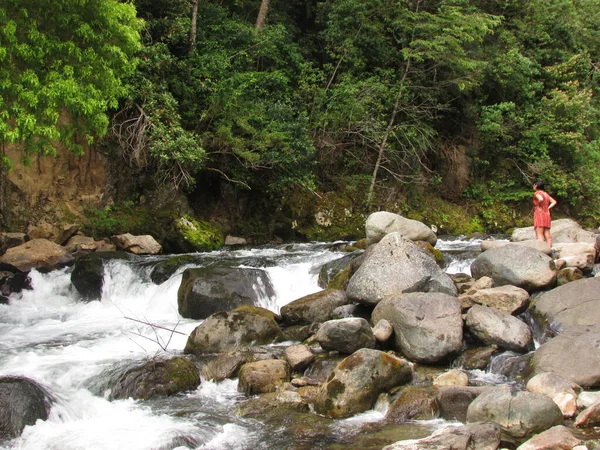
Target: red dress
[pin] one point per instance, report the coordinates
(541, 212)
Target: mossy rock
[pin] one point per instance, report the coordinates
(165, 269)
(191, 235)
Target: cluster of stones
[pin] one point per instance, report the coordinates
(386, 320)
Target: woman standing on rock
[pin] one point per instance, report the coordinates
(542, 204)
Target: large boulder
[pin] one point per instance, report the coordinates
(558, 437)
(355, 383)
(39, 254)
(234, 330)
(473, 436)
(575, 303)
(397, 265)
(428, 327)
(495, 327)
(563, 231)
(165, 269)
(22, 403)
(346, 335)
(156, 378)
(518, 413)
(510, 299)
(382, 223)
(317, 307)
(204, 291)
(138, 245)
(518, 265)
(188, 235)
(574, 354)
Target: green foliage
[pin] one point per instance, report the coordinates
(61, 69)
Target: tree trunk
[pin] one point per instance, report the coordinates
(194, 24)
(262, 14)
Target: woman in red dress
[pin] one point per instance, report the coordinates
(542, 204)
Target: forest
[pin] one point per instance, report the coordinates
(405, 105)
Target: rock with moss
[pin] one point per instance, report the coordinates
(317, 307)
(204, 291)
(234, 330)
(191, 235)
(156, 378)
(165, 269)
(413, 403)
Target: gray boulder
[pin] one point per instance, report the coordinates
(346, 335)
(204, 291)
(563, 231)
(518, 265)
(428, 327)
(473, 436)
(234, 330)
(355, 383)
(575, 303)
(317, 307)
(22, 403)
(382, 223)
(510, 299)
(39, 254)
(558, 437)
(260, 377)
(517, 413)
(495, 327)
(574, 354)
(397, 265)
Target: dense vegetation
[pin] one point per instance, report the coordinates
(467, 100)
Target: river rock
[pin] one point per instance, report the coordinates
(299, 356)
(563, 250)
(510, 299)
(587, 398)
(473, 436)
(381, 223)
(234, 330)
(10, 240)
(454, 377)
(563, 231)
(157, 378)
(562, 391)
(383, 330)
(22, 402)
(13, 283)
(231, 241)
(575, 303)
(428, 327)
(395, 266)
(518, 413)
(79, 245)
(165, 269)
(494, 327)
(556, 438)
(517, 265)
(280, 403)
(260, 377)
(583, 262)
(39, 254)
(138, 245)
(317, 307)
(567, 275)
(413, 403)
(206, 290)
(479, 284)
(88, 273)
(346, 335)
(454, 401)
(574, 354)
(355, 383)
(476, 358)
(332, 268)
(589, 417)
(226, 365)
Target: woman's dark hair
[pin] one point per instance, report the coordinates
(539, 184)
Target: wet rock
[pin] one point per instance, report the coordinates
(510, 299)
(300, 332)
(494, 327)
(356, 382)
(454, 377)
(280, 403)
(22, 403)
(562, 391)
(332, 268)
(476, 358)
(413, 403)
(346, 335)
(516, 265)
(395, 266)
(299, 356)
(10, 240)
(226, 365)
(479, 436)
(454, 401)
(260, 377)
(204, 291)
(234, 330)
(589, 417)
(517, 413)
(556, 438)
(428, 327)
(39, 254)
(165, 269)
(479, 284)
(88, 273)
(383, 330)
(13, 283)
(316, 307)
(381, 223)
(513, 366)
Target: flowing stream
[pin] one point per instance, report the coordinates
(67, 345)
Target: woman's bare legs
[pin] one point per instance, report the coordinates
(548, 236)
(539, 233)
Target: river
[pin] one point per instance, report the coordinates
(69, 346)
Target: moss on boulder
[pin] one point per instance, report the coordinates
(192, 235)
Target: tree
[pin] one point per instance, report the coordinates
(262, 14)
(61, 68)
